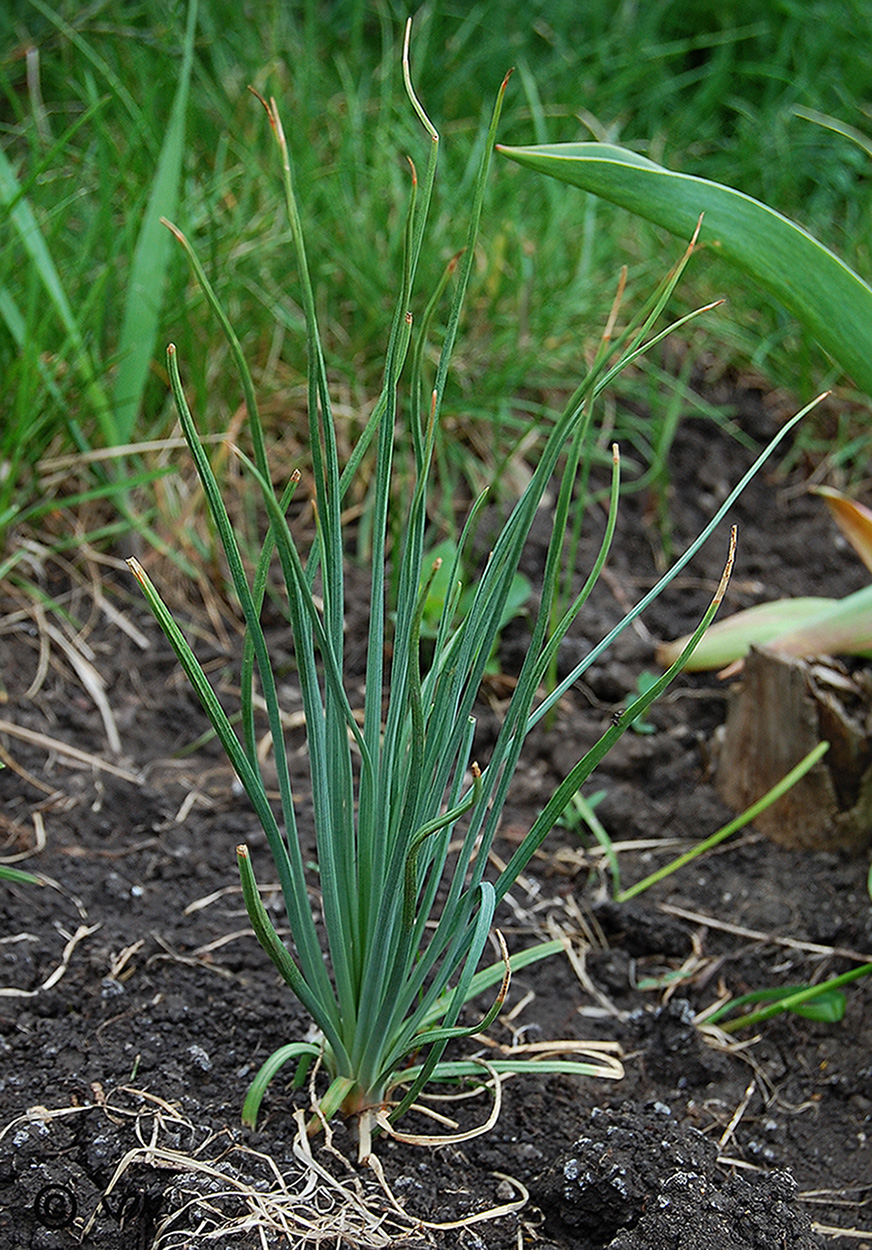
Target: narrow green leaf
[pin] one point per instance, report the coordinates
(276, 1061)
(745, 818)
(493, 973)
(269, 939)
(565, 792)
(479, 931)
(145, 284)
(18, 877)
(797, 998)
(836, 125)
(807, 278)
(526, 1066)
(829, 1007)
(17, 208)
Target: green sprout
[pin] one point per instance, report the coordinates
(437, 589)
(644, 682)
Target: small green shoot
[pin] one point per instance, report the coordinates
(827, 1006)
(18, 877)
(733, 826)
(644, 682)
(823, 1002)
(581, 811)
(444, 561)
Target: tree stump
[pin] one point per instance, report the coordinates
(780, 710)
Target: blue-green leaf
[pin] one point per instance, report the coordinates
(821, 291)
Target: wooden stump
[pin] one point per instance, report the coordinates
(779, 711)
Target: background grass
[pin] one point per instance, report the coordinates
(86, 99)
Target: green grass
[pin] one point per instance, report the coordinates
(89, 130)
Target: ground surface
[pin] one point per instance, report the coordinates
(166, 1004)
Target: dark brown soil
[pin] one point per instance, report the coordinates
(166, 1004)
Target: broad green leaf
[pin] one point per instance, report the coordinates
(731, 639)
(843, 629)
(828, 1007)
(808, 279)
(439, 587)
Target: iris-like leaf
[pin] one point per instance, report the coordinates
(812, 283)
(731, 639)
(800, 627)
(844, 629)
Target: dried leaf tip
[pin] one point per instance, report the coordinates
(728, 567)
(165, 221)
(269, 112)
(410, 90)
(693, 240)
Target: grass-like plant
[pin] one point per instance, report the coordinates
(52, 328)
(404, 816)
(90, 122)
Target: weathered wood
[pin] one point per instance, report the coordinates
(778, 712)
